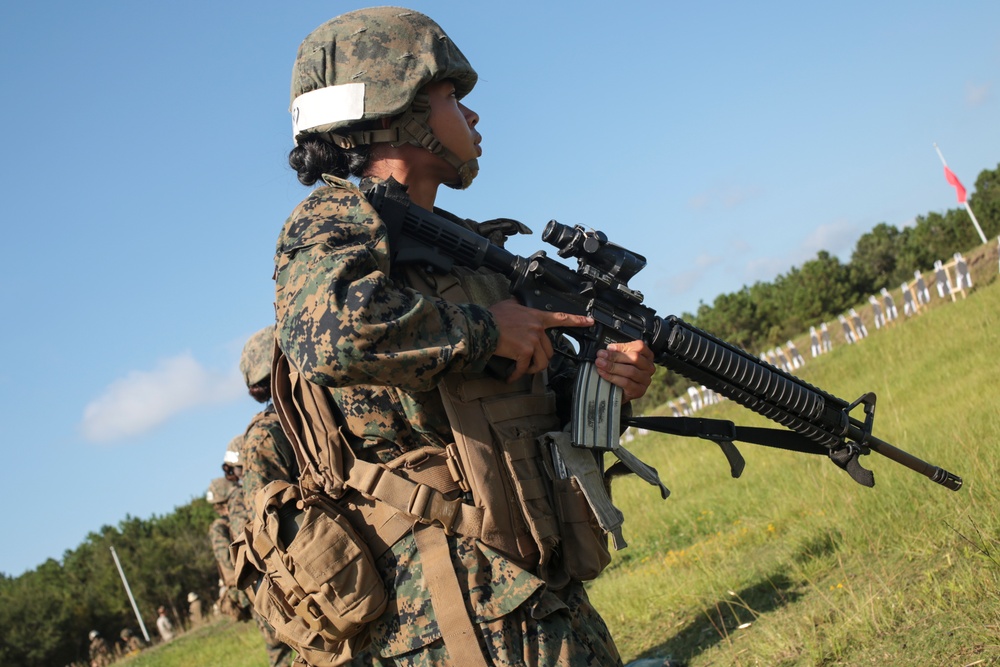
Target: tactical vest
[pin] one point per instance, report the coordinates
(496, 482)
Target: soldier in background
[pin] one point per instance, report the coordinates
(100, 654)
(163, 624)
(259, 439)
(232, 601)
(267, 454)
(130, 643)
(196, 613)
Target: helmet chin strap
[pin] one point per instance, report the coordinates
(411, 127)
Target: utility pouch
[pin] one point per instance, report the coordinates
(584, 547)
(309, 574)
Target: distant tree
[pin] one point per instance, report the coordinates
(874, 260)
(985, 202)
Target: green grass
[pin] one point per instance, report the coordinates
(222, 643)
(825, 571)
(816, 568)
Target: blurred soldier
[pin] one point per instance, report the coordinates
(260, 455)
(237, 506)
(267, 454)
(196, 614)
(163, 624)
(232, 601)
(100, 654)
(130, 643)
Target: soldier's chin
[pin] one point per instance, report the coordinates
(465, 175)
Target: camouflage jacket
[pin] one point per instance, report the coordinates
(346, 321)
(267, 455)
(239, 511)
(220, 538)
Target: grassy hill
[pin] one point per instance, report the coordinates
(795, 563)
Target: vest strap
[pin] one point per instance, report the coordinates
(457, 631)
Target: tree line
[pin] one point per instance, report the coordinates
(47, 613)
(766, 314)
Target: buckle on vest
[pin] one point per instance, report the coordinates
(455, 467)
(430, 506)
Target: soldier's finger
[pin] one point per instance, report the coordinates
(566, 320)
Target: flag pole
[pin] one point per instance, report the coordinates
(965, 201)
(128, 590)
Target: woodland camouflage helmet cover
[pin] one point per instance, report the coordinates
(219, 490)
(255, 363)
(370, 64)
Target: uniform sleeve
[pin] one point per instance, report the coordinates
(220, 538)
(343, 321)
(267, 456)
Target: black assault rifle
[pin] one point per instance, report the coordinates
(818, 422)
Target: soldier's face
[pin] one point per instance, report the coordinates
(453, 123)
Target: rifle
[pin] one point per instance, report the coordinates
(817, 422)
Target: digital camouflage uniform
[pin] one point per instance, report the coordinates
(267, 454)
(220, 535)
(347, 322)
(100, 654)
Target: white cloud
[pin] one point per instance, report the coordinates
(143, 400)
(976, 95)
(837, 238)
(684, 281)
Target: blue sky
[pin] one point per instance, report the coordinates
(144, 181)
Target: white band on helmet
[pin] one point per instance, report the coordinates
(232, 457)
(323, 106)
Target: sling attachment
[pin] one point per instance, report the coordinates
(724, 433)
(846, 458)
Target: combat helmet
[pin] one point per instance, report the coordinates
(233, 458)
(255, 362)
(219, 491)
(371, 64)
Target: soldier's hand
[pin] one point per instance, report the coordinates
(523, 337)
(627, 365)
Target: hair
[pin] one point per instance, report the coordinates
(314, 156)
(261, 392)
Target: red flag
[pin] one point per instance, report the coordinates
(953, 179)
